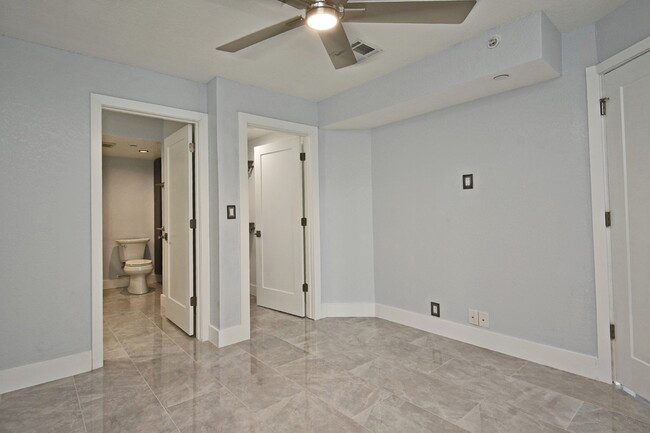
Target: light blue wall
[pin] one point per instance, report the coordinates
(517, 246)
(231, 99)
(623, 28)
(346, 216)
(45, 190)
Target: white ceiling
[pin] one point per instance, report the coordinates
(254, 133)
(178, 37)
(127, 147)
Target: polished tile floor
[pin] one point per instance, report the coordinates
(295, 375)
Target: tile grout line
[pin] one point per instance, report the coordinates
(147, 383)
(76, 390)
(519, 369)
(574, 415)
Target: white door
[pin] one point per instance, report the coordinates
(178, 247)
(278, 214)
(628, 142)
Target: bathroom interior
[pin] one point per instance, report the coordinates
(132, 204)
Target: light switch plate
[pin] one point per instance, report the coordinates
(231, 212)
(483, 319)
(468, 181)
(473, 317)
(435, 309)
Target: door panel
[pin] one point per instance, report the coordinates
(178, 268)
(628, 142)
(278, 210)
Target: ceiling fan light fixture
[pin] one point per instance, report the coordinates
(322, 16)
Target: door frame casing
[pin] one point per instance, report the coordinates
(98, 103)
(313, 309)
(600, 202)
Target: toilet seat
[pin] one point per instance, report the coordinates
(137, 263)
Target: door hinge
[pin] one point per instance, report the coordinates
(608, 219)
(612, 331)
(305, 287)
(193, 301)
(192, 223)
(603, 106)
(192, 147)
(303, 156)
(303, 222)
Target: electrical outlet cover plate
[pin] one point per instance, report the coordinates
(435, 309)
(473, 317)
(484, 319)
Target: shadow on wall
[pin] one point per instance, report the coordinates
(115, 268)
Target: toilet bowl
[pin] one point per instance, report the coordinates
(138, 270)
(135, 265)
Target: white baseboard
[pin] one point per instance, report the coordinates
(562, 359)
(226, 337)
(349, 309)
(213, 335)
(116, 283)
(46, 371)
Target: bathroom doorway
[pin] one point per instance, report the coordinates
(150, 169)
(148, 215)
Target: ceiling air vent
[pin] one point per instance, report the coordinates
(363, 50)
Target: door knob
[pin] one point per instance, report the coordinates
(163, 236)
(258, 234)
(160, 229)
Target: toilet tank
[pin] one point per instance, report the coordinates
(132, 249)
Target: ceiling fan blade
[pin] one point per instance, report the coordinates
(413, 12)
(262, 35)
(338, 47)
(298, 4)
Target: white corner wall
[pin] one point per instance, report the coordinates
(346, 219)
(519, 244)
(128, 208)
(45, 190)
(622, 28)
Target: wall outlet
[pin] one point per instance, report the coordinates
(483, 319)
(473, 317)
(435, 309)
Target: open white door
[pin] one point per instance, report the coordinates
(278, 213)
(178, 246)
(628, 143)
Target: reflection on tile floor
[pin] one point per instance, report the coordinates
(296, 375)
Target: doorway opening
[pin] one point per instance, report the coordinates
(618, 91)
(150, 201)
(277, 221)
(280, 224)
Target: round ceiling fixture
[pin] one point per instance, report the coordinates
(502, 77)
(143, 151)
(322, 16)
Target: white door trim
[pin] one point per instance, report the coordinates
(200, 120)
(600, 200)
(313, 307)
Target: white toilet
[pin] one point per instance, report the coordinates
(135, 265)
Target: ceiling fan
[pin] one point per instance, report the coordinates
(327, 17)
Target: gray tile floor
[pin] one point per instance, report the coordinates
(295, 375)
